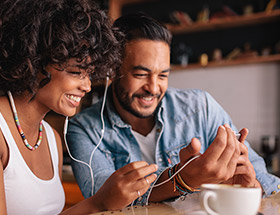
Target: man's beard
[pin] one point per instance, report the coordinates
(125, 101)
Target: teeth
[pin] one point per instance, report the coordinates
(74, 98)
(147, 98)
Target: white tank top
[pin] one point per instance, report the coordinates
(26, 194)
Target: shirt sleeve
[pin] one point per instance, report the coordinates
(269, 182)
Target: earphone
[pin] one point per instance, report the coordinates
(100, 140)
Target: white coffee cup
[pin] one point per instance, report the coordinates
(221, 199)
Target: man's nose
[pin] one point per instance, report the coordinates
(152, 86)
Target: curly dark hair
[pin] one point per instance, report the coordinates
(35, 33)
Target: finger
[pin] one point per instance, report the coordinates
(247, 171)
(189, 151)
(244, 133)
(141, 172)
(145, 182)
(144, 188)
(214, 151)
(132, 166)
(150, 179)
(231, 153)
(244, 160)
(243, 149)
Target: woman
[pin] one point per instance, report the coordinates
(49, 52)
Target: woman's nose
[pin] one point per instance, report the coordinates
(86, 84)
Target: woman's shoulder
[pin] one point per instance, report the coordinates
(4, 105)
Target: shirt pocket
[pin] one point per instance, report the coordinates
(120, 159)
(173, 153)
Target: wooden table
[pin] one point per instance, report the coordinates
(190, 206)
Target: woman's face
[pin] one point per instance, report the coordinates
(65, 90)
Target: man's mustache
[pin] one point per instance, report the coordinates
(147, 95)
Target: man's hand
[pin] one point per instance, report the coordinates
(244, 173)
(217, 164)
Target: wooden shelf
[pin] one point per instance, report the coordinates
(115, 6)
(228, 22)
(259, 59)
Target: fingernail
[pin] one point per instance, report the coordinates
(222, 127)
(155, 166)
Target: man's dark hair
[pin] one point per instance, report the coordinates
(141, 26)
(35, 33)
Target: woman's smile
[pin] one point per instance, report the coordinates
(74, 100)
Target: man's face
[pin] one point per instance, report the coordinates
(144, 78)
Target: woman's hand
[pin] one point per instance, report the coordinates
(125, 185)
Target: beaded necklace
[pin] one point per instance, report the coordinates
(32, 148)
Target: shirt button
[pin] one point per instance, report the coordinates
(278, 186)
(160, 160)
(273, 192)
(159, 130)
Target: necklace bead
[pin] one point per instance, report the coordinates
(32, 148)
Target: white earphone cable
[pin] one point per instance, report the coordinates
(179, 170)
(100, 140)
(102, 130)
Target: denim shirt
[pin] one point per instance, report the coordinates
(181, 115)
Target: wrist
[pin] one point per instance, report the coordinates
(96, 204)
(187, 175)
(183, 182)
(178, 182)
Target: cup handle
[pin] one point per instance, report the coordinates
(205, 199)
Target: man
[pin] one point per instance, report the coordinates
(146, 120)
